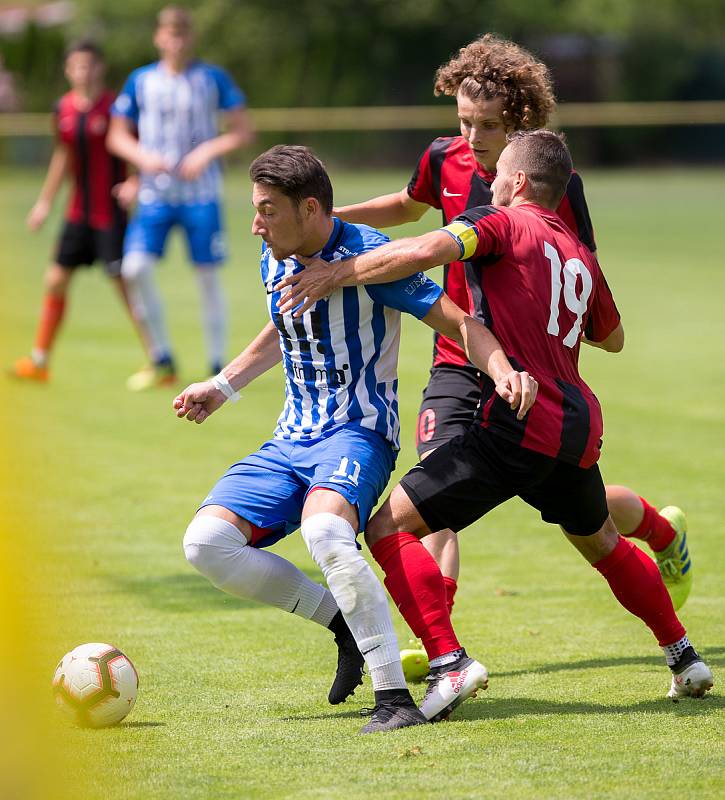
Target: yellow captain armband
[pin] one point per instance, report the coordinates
(465, 235)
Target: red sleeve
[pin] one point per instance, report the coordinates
(481, 232)
(492, 228)
(603, 314)
(425, 183)
(574, 211)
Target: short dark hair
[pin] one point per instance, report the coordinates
(296, 172)
(85, 46)
(545, 158)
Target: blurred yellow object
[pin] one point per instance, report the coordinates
(150, 377)
(415, 662)
(33, 758)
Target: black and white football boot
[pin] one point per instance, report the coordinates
(450, 685)
(691, 677)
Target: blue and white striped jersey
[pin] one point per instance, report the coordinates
(173, 114)
(341, 357)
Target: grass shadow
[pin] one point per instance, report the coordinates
(507, 708)
(328, 716)
(186, 591)
(178, 593)
(510, 708)
(714, 656)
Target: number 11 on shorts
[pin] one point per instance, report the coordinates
(343, 470)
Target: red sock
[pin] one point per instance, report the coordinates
(416, 585)
(636, 582)
(451, 588)
(654, 529)
(51, 316)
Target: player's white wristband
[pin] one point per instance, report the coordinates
(221, 382)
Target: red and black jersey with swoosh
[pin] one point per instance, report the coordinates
(538, 288)
(449, 178)
(94, 170)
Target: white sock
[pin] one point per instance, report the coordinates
(675, 650)
(40, 357)
(213, 312)
(326, 610)
(137, 271)
(359, 595)
(446, 658)
(220, 552)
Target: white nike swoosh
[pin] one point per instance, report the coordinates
(446, 193)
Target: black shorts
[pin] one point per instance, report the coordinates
(448, 407)
(477, 471)
(81, 245)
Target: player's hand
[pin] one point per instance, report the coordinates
(38, 214)
(126, 192)
(315, 281)
(198, 401)
(519, 390)
(153, 163)
(193, 164)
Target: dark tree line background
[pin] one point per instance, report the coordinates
(378, 52)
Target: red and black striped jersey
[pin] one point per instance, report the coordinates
(93, 169)
(449, 178)
(538, 288)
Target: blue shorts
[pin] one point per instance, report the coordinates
(202, 223)
(269, 487)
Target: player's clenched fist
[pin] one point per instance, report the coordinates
(519, 389)
(198, 401)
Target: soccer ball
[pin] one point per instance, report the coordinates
(95, 685)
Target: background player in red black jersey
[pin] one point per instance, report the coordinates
(499, 87)
(94, 220)
(540, 290)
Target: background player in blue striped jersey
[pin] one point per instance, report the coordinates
(336, 439)
(165, 124)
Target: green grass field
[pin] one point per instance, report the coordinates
(233, 696)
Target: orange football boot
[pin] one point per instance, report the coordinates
(27, 369)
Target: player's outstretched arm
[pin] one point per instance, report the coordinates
(200, 400)
(484, 350)
(57, 169)
(385, 264)
(517, 388)
(384, 211)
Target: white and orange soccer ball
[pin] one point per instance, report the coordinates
(95, 685)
